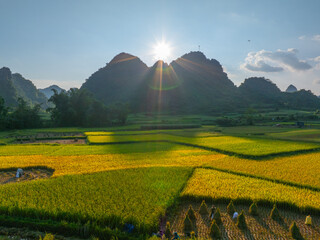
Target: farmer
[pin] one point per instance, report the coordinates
(235, 215)
(19, 173)
(213, 210)
(175, 236)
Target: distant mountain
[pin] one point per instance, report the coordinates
(48, 91)
(291, 89)
(260, 91)
(302, 99)
(191, 83)
(7, 90)
(14, 86)
(118, 80)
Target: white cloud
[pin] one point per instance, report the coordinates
(303, 37)
(317, 59)
(261, 66)
(316, 38)
(278, 61)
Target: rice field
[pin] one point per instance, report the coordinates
(138, 176)
(110, 198)
(207, 183)
(229, 144)
(312, 135)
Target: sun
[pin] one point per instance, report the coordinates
(161, 51)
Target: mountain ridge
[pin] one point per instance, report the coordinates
(48, 90)
(191, 83)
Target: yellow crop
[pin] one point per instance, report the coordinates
(229, 144)
(219, 185)
(300, 169)
(68, 165)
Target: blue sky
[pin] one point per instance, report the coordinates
(64, 41)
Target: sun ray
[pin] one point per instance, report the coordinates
(161, 51)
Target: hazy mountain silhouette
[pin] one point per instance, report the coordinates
(48, 91)
(260, 91)
(14, 86)
(7, 90)
(191, 83)
(291, 89)
(118, 80)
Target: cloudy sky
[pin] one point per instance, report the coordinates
(65, 41)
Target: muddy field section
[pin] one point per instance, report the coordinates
(259, 227)
(59, 138)
(9, 176)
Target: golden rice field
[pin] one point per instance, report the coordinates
(159, 162)
(219, 185)
(82, 164)
(301, 169)
(229, 144)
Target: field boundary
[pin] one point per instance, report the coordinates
(229, 153)
(278, 181)
(246, 201)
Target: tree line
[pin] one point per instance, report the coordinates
(73, 108)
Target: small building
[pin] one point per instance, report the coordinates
(19, 173)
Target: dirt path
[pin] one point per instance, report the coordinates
(261, 227)
(9, 176)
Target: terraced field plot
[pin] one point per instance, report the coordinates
(139, 196)
(312, 135)
(228, 144)
(140, 175)
(206, 183)
(301, 169)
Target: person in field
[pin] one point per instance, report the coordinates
(175, 236)
(19, 173)
(235, 215)
(212, 211)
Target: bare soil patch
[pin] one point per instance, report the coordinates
(9, 176)
(58, 141)
(59, 138)
(260, 227)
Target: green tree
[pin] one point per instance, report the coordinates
(119, 112)
(25, 116)
(78, 108)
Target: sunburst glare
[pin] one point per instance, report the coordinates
(162, 51)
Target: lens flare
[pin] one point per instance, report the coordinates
(161, 51)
